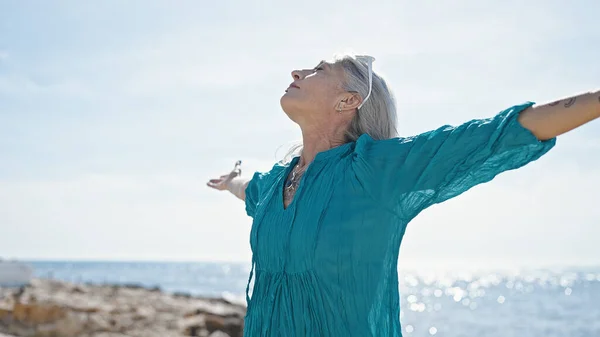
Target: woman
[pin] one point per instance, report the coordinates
(328, 224)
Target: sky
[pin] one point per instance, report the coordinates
(113, 115)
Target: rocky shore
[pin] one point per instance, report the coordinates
(48, 308)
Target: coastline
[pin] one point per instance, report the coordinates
(56, 308)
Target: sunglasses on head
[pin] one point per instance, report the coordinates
(369, 61)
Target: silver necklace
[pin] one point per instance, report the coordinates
(293, 181)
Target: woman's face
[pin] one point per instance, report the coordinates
(314, 93)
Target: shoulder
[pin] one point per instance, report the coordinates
(367, 147)
(263, 177)
(261, 184)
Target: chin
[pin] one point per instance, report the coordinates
(288, 105)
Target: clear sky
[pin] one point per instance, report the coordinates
(113, 114)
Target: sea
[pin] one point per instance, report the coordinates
(467, 302)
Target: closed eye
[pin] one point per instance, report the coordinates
(320, 66)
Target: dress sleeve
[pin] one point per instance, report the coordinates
(252, 193)
(443, 163)
(258, 188)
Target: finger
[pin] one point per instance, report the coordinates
(215, 181)
(228, 177)
(213, 185)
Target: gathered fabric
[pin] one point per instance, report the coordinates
(327, 264)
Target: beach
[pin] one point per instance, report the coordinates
(47, 308)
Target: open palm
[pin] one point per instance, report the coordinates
(221, 182)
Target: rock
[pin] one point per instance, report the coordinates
(48, 308)
(214, 322)
(80, 290)
(6, 313)
(19, 330)
(38, 313)
(47, 330)
(218, 334)
(193, 326)
(144, 312)
(234, 326)
(70, 326)
(99, 322)
(14, 274)
(182, 294)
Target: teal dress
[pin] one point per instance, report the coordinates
(326, 265)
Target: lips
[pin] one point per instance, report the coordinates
(292, 85)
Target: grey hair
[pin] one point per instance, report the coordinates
(377, 117)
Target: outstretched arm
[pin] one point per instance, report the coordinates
(553, 119)
(443, 163)
(237, 186)
(231, 182)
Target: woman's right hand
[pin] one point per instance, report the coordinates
(222, 182)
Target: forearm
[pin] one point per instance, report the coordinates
(237, 186)
(553, 119)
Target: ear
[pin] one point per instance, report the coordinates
(349, 102)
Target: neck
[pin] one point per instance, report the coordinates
(315, 140)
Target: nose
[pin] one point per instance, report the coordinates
(298, 74)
